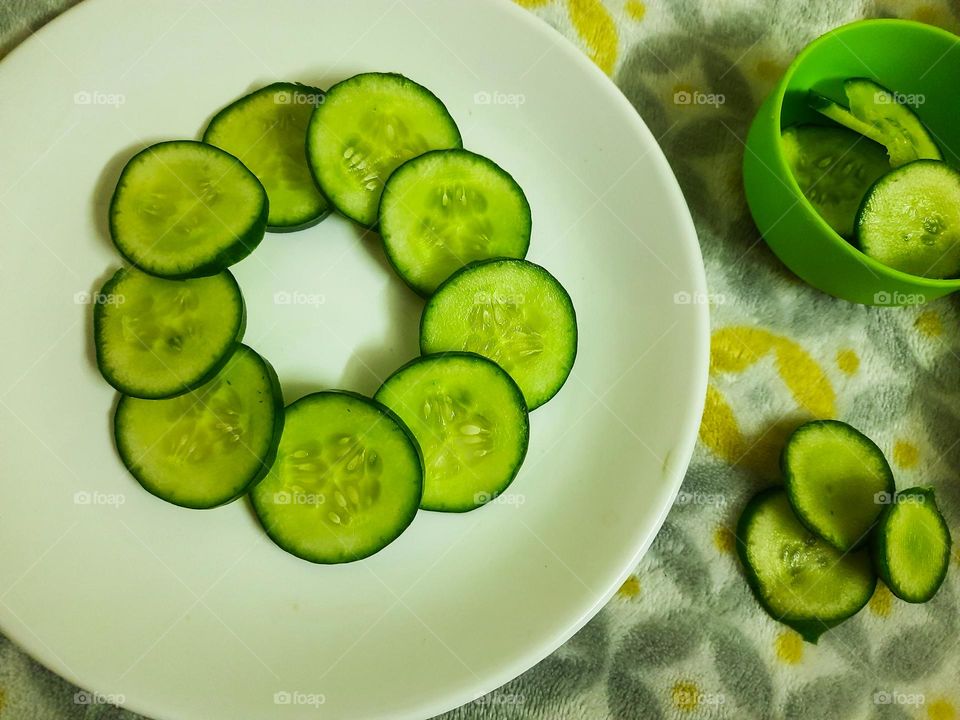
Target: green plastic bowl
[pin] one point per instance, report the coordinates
(909, 58)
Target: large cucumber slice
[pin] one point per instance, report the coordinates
(347, 480)
(368, 126)
(186, 209)
(470, 419)
(837, 479)
(156, 338)
(210, 446)
(267, 131)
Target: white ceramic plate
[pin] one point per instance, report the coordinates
(196, 614)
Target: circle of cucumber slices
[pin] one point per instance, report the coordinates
(334, 477)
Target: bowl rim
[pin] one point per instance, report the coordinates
(783, 168)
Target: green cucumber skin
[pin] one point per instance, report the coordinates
(809, 630)
(99, 309)
(879, 548)
(295, 86)
(402, 525)
(228, 256)
(789, 485)
(268, 460)
(520, 400)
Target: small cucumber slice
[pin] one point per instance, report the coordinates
(471, 422)
(910, 220)
(799, 579)
(186, 209)
(267, 131)
(366, 127)
(210, 446)
(347, 480)
(513, 312)
(157, 338)
(446, 209)
(878, 113)
(836, 478)
(834, 168)
(911, 545)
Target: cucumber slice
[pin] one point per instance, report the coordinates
(347, 480)
(910, 220)
(186, 209)
(157, 338)
(834, 168)
(911, 545)
(878, 113)
(513, 312)
(799, 579)
(470, 420)
(837, 479)
(267, 131)
(210, 446)
(446, 209)
(365, 129)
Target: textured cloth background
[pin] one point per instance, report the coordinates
(683, 638)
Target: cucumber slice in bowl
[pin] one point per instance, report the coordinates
(911, 545)
(210, 446)
(470, 420)
(910, 220)
(513, 312)
(158, 338)
(365, 129)
(446, 209)
(347, 480)
(267, 131)
(834, 168)
(186, 209)
(799, 579)
(837, 479)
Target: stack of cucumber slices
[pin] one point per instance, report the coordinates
(813, 549)
(878, 178)
(335, 476)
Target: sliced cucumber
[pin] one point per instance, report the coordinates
(513, 312)
(347, 480)
(368, 126)
(267, 131)
(157, 338)
(799, 579)
(470, 420)
(837, 479)
(834, 168)
(911, 545)
(879, 115)
(186, 209)
(910, 220)
(446, 209)
(210, 446)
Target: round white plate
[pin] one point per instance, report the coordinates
(196, 614)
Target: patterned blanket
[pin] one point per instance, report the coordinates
(683, 637)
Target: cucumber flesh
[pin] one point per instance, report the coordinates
(910, 220)
(186, 209)
(836, 478)
(346, 483)
(513, 312)
(470, 420)
(799, 579)
(208, 447)
(267, 131)
(446, 209)
(834, 167)
(157, 338)
(911, 546)
(365, 129)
